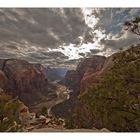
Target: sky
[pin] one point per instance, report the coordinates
(61, 37)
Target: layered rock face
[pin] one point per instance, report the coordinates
(95, 63)
(92, 77)
(89, 65)
(23, 79)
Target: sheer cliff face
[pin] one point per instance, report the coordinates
(94, 63)
(93, 77)
(23, 79)
(85, 67)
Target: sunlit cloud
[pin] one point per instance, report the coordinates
(73, 51)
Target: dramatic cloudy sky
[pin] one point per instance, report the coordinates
(61, 37)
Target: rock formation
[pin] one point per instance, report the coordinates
(92, 77)
(88, 65)
(23, 79)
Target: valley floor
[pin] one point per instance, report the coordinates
(62, 95)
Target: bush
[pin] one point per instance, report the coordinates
(44, 111)
(8, 109)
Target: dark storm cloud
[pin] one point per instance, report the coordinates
(28, 33)
(45, 27)
(48, 58)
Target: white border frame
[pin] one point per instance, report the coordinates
(70, 3)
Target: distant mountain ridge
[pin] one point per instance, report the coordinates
(55, 73)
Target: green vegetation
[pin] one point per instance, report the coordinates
(133, 26)
(116, 102)
(44, 111)
(8, 111)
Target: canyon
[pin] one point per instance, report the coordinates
(60, 96)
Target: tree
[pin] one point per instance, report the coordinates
(44, 111)
(133, 26)
(8, 109)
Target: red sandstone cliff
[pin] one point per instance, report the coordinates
(92, 77)
(23, 79)
(86, 67)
